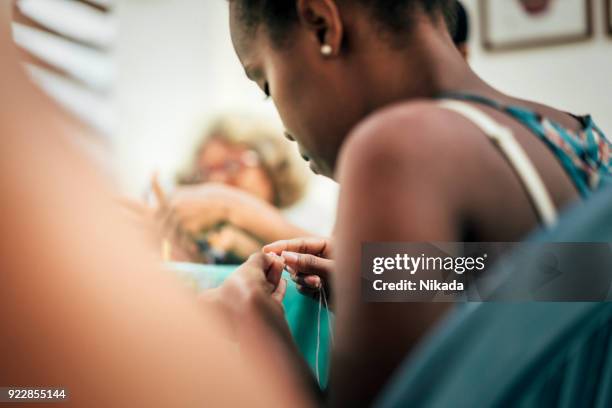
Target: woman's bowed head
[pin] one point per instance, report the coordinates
(327, 67)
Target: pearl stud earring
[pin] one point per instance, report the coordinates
(326, 50)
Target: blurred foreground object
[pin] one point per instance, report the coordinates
(84, 303)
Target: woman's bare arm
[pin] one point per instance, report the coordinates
(84, 302)
(389, 194)
(203, 206)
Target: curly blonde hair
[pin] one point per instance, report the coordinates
(286, 171)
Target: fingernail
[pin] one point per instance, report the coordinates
(313, 281)
(290, 256)
(271, 257)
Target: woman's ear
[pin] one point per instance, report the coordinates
(322, 18)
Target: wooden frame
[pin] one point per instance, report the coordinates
(491, 45)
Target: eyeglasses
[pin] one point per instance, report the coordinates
(230, 166)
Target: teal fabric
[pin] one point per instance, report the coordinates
(521, 354)
(512, 355)
(301, 312)
(586, 156)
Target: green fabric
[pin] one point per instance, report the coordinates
(301, 312)
(585, 155)
(512, 355)
(519, 354)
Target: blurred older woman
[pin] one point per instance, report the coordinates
(230, 199)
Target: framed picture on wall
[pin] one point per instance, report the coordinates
(516, 24)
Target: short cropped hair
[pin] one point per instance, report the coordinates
(393, 16)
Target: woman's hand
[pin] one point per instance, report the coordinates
(172, 245)
(252, 296)
(309, 260)
(230, 239)
(250, 305)
(203, 207)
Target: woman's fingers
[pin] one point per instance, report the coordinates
(311, 274)
(313, 282)
(275, 269)
(307, 245)
(254, 290)
(308, 264)
(279, 292)
(264, 268)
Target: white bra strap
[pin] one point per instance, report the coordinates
(516, 156)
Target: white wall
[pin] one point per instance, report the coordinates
(177, 70)
(574, 77)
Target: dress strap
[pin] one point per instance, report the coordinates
(505, 141)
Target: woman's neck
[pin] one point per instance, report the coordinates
(428, 66)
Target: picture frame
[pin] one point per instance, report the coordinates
(520, 24)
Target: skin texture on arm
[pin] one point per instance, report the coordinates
(202, 207)
(84, 304)
(386, 197)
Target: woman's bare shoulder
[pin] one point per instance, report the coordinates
(405, 161)
(408, 135)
